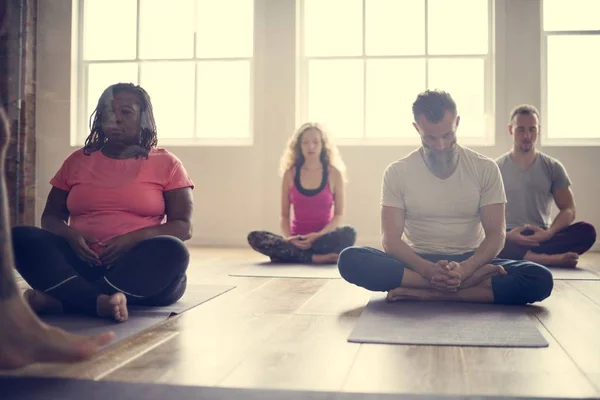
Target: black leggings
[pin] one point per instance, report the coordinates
(153, 273)
(278, 249)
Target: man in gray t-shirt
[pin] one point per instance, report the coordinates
(533, 181)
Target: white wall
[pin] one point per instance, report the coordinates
(238, 188)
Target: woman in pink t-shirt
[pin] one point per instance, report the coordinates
(313, 189)
(115, 221)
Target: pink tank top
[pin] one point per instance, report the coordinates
(313, 208)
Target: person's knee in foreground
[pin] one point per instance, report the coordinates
(24, 339)
(448, 202)
(115, 219)
(533, 181)
(313, 187)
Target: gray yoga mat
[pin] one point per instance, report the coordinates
(30, 388)
(445, 324)
(288, 270)
(140, 317)
(572, 274)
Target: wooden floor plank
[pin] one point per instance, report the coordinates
(574, 321)
(337, 297)
(590, 289)
(204, 352)
(309, 352)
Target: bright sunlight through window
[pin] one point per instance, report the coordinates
(193, 57)
(570, 68)
(363, 62)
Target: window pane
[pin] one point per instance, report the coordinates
(392, 87)
(172, 99)
(464, 80)
(573, 86)
(335, 96)
(575, 15)
(101, 76)
(225, 28)
(101, 39)
(458, 26)
(224, 92)
(166, 29)
(333, 28)
(395, 27)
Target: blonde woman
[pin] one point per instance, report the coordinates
(313, 192)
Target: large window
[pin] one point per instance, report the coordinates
(363, 62)
(571, 72)
(194, 57)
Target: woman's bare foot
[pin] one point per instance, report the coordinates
(564, 260)
(330, 258)
(483, 273)
(41, 302)
(114, 306)
(24, 339)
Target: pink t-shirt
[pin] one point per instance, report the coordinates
(109, 197)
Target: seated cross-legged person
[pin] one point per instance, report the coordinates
(443, 224)
(313, 186)
(533, 181)
(115, 220)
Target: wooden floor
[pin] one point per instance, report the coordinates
(292, 334)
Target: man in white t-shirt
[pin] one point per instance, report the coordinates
(443, 224)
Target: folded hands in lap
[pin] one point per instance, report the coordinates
(452, 276)
(534, 237)
(303, 242)
(110, 251)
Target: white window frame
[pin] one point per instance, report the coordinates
(548, 141)
(487, 139)
(80, 121)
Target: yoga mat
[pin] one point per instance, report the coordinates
(445, 324)
(571, 274)
(288, 270)
(33, 388)
(140, 317)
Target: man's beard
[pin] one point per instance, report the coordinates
(526, 147)
(441, 160)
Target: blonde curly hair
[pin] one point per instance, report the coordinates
(292, 156)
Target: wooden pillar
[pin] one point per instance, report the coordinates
(17, 95)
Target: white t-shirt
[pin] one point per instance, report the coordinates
(442, 216)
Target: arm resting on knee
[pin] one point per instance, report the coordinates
(566, 215)
(392, 225)
(494, 225)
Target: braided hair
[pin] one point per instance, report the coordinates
(97, 139)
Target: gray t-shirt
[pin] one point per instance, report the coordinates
(530, 192)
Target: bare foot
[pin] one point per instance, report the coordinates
(41, 302)
(565, 260)
(407, 294)
(114, 306)
(24, 339)
(483, 273)
(330, 258)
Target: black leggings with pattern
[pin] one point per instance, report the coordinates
(278, 249)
